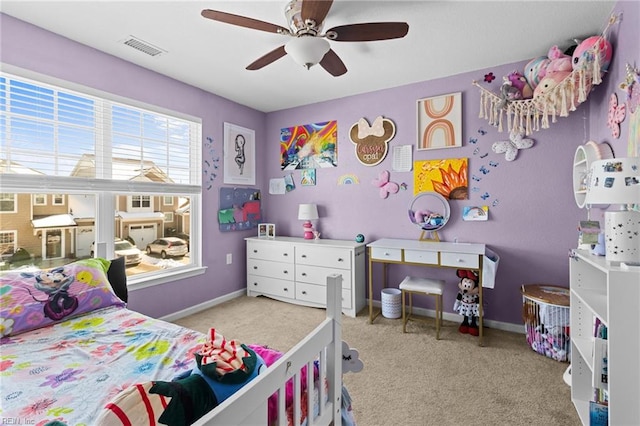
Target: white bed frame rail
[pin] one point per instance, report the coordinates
(248, 406)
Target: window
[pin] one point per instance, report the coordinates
(7, 243)
(58, 199)
(96, 154)
(167, 201)
(168, 216)
(141, 202)
(39, 199)
(8, 203)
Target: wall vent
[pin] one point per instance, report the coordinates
(143, 46)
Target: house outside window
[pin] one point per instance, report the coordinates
(39, 199)
(97, 154)
(8, 203)
(168, 216)
(167, 201)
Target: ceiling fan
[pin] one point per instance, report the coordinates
(308, 46)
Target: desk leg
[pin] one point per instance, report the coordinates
(370, 288)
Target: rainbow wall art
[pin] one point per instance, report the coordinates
(439, 122)
(310, 146)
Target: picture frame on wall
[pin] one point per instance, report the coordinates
(239, 151)
(266, 230)
(439, 120)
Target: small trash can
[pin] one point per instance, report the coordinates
(391, 303)
(545, 313)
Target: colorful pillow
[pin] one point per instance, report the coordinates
(33, 298)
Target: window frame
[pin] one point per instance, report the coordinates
(35, 199)
(15, 202)
(103, 189)
(55, 202)
(15, 239)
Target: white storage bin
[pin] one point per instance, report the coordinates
(391, 303)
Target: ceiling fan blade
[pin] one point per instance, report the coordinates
(316, 10)
(265, 60)
(333, 64)
(369, 32)
(243, 21)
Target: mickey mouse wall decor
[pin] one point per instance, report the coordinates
(372, 141)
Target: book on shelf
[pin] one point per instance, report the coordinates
(600, 357)
(598, 414)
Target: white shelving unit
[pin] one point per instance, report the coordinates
(612, 294)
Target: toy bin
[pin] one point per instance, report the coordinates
(545, 313)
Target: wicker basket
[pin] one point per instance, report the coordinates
(545, 313)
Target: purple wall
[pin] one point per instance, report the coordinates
(35, 49)
(532, 227)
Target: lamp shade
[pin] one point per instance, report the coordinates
(307, 50)
(308, 212)
(614, 181)
(617, 181)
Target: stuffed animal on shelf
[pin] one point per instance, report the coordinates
(468, 301)
(519, 81)
(559, 62)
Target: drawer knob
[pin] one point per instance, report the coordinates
(255, 251)
(304, 256)
(285, 272)
(255, 267)
(255, 283)
(286, 289)
(340, 259)
(459, 260)
(285, 254)
(386, 254)
(304, 274)
(304, 292)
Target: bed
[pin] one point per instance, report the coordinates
(71, 353)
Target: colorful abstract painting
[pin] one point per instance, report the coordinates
(310, 146)
(447, 177)
(440, 122)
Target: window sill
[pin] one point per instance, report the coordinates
(135, 283)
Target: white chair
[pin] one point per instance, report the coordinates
(426, 286)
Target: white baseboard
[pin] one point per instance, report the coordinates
(202, 306)
(451, 316)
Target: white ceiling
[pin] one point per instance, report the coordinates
(445, 38)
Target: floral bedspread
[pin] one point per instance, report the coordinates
(69, 371)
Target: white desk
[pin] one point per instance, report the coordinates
(426, 253)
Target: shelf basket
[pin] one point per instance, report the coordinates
(545, 313)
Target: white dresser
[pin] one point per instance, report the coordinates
(295, 270)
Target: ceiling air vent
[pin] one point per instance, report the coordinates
(143, 46)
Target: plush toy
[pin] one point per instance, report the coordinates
(584, 51)
(508, 93)
(467, 302)
(548, 83)
(558, 61)
(535, 70)
(519, 81)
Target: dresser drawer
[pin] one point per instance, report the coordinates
(421, 256)
(323, 256)
(386, 253)
(459, 260)
(270, 251)
(270, 286)
(318, 294)
(265, 268)
(318, 275)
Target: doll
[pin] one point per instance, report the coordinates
(467, 302)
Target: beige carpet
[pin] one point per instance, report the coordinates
(413, 379)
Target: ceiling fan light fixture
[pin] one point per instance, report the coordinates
(307, 50)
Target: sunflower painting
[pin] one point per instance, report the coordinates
(446, 177)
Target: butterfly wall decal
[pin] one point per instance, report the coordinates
(385, 186)
(516, 142)
(616, 115)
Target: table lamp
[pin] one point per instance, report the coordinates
(617, 181)
(308, 212)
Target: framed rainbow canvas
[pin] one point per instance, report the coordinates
(310, 146)
(440, 122)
